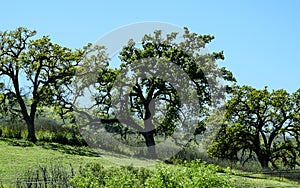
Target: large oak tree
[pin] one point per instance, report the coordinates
(146, 100)
(34, 72)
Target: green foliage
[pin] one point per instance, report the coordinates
(48, 69)
(164, 71)
(15, 142)
(260, 124)
(95, 175)
(11, 132)
(194, 174)
(47, 130)
(68, 135)
(212, 125)
(188, 153)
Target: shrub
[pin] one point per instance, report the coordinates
(194, 174)
(48, 130)
(95, 175)
(12, 131)
(63, 134)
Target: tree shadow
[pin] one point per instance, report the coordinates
(292, 175)
(68, 149)
(73, 150)
(17, 142)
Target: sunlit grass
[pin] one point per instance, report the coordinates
(16, 160)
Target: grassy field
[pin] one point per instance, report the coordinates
(16, 157)
(260, 180)
(16, 160)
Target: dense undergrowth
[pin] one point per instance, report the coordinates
(192, 174)
(47, 130)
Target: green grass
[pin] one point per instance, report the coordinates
(17, 156)
(249, 182)
(15, 159)
(246, 179)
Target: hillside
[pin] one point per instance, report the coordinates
(17, 157)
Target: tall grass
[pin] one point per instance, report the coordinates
(47, 176)
(192, 152)
(12, 130)
(47, 130)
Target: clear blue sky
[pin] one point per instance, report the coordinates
(260, 38)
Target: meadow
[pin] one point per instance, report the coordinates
(62, 159)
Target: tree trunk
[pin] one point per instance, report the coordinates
(28, 119)
(31, 131)
(264, 161)
(150, 143)
(262, 155)
(149, 128)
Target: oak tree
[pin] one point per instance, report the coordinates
(153, 78)
(34, 72)
(260, 124)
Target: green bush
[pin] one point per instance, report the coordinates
(47, 130)
(12, 131)
(188, 153)
(194, 174)
(95, 175)
(62, 134)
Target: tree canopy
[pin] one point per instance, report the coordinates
(34, 72)
(261, 124)
(166, 87)
(158, 83)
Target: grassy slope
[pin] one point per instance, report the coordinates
(15, 160)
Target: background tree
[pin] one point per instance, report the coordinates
(260, 124)
(151, 106)
(34, 72)
(213, 124)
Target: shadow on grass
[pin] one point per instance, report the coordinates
(73, 150)
(17, 142)
(292, 175)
